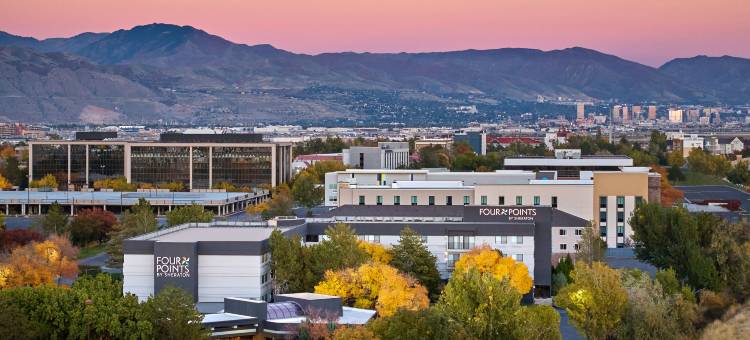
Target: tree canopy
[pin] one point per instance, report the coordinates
(412, 257)
(193, 213)
(487, 260)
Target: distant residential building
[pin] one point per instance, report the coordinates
(477, 140)
(497, 141)
(302, 162)
(675, 116)
(387, 155)
(445, 143)
(724, 145)
(552, 138)
(652, 112)
(687, 143)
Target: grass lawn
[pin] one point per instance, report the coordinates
(697, 178)
(90, 251)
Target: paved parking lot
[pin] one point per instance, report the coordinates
(720, 192)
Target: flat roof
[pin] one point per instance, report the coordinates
(214, 233)
(118, 197)
(608, 161)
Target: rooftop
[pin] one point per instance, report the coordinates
(118, 198)
(214, 233)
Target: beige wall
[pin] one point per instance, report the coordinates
(611, 185)
(349, 195)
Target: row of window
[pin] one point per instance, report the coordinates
(537, 200)
(454, 257)
(578, 232)
(564, 246)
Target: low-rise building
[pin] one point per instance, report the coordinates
(387, 155)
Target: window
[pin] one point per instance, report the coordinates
(620, 216)
(448, 200)
(620, 201)
(602, 216)
(620, 245)
(563, 246)
(518, 239)
(361, 200)
(638, 201)
(579, 232)
(266, 257)
(620, 230)
(563, 232)
(519, 200)
(576, 246)
(501, 200)
(554, 201)
(603, 231)
(380, 178)
(460, 242)
(431, 200)
(414, 200)
(518, 257)
(483, 200)
(264, 278)
(501, 239)
(451, 260)
(537, 200)
(312, 238)
(379, 200)
(466, 200)
(396, 200)
(603, 202)
(370, 238)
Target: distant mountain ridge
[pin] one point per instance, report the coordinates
(180, 73)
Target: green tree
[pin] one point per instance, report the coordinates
(591, 247)
(306, 190)
(288, 264)
(174, 316)
(55, 221)
(595, 300)
(654, 313)
(412, 257)
(14, 324)
(339, 250)
(657, 145)
(739, 173)
(193, 213)
(13, 173)
(425, 324)
(675, 174)
(140, 219)
(539, 322)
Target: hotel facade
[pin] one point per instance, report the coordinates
(604, 198)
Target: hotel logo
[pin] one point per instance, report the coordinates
(513, 214)
(172, 266)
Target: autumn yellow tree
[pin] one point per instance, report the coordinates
(488, 260)
(48, 181)
(377, 252)
(375, 285)
(39, 263)
(116, 184)
(4, 183)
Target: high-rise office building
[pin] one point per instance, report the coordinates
(652, 112)
(580, 111)
(616, 111)
(625, 114)
(675, 116)
(637, 112)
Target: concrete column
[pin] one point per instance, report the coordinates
(72, 210)
(23, 209)
(40, 209)
(31, 162)
(104, 207)
(68, 164)
(210, 167)
(273, 165)
(87, 164)
(126, 167)
(190, 162)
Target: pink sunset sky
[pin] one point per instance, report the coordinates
(647, 31)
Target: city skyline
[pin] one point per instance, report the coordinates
(649, 33)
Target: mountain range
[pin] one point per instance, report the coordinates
(163, 72)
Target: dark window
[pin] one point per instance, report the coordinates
(602, 216)
(396, 200)
(501, 200)
(638, 201)
(448, 200)
(603, 231)
(361, 200)
(312, 238)
(620, 202)
(554, 201)
(483, 200)
(620, 216)
(414, 200)
(361, 160)
(431, 200)
(602, 201)
(379, 200)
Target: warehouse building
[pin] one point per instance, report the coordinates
(199, 161)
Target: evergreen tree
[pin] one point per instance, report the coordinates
(55, 221)
(411, 256)
(140, 219)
